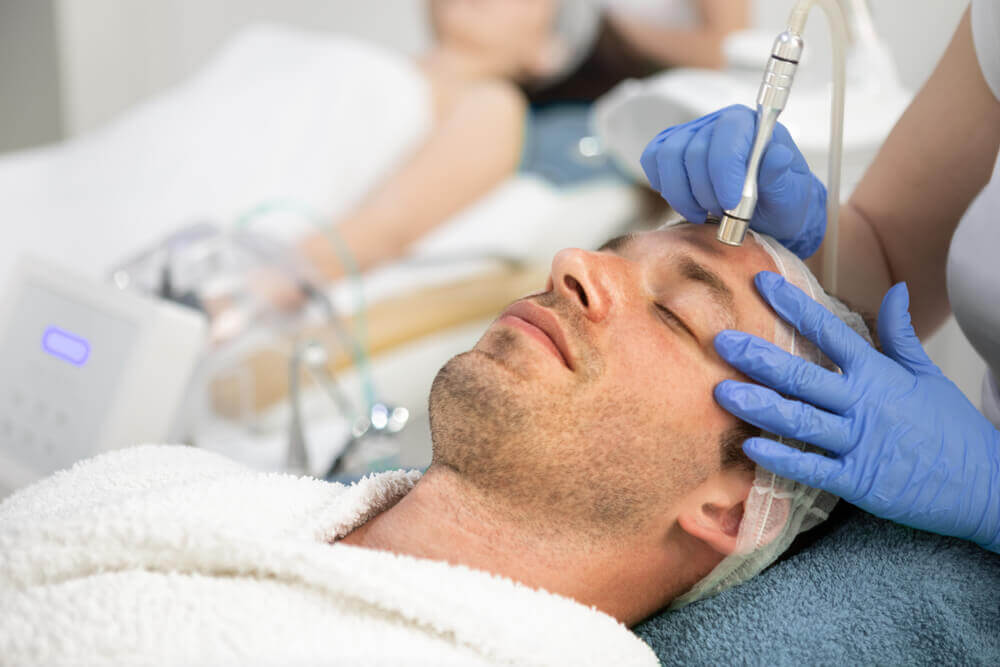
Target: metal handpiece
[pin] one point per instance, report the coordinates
(771, 100)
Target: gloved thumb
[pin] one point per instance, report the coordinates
(806, 468)
(776, 163)
(783, 200)
(899, 342)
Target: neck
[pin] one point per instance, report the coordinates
(444, 518)
(451, 61)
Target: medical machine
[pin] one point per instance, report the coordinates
(86, 367)
(207, 267)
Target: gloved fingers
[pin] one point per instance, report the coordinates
(654, 159)
(696, 165)
(838, 341)
(804, 467)
(899, 342)
(792, 204)
(770, 365)
(782, 202)
(648, 158)
(782, 137)
(729, 152)
(770, 411)
(675, 186)
(812, 231)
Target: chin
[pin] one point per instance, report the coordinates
(473, 383)
(476, 411)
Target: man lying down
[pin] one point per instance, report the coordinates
(583, 478)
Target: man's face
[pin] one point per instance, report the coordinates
(593, 400)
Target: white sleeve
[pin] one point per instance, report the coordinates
(986, 37)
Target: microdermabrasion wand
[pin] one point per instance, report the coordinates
(771, 100)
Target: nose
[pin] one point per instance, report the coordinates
(582, 278)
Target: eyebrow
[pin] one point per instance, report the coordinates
(719, 290)
(617, 244)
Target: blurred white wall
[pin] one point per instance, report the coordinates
(916, 32)
(113, 53)
(116, 52)
(30, 105)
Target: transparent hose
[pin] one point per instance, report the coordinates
(838, 39)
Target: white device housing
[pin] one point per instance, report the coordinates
(86, 367)
(632, 113)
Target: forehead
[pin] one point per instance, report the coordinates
(736, 266)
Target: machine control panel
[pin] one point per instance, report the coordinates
(85, 367)
(63, 361)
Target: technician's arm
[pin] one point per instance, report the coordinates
(899, 222)
(681, 47)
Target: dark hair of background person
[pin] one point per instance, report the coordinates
(610, 61)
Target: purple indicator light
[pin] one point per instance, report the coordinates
(65, 346)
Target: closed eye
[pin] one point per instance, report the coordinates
(671, 317)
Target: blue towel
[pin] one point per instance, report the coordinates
(868, 592)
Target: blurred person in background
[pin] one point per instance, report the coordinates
(492, 60)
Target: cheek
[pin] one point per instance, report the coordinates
(664, 402)
(669, 383)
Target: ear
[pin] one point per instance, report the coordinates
(712, 512)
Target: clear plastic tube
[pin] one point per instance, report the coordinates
(838, 39)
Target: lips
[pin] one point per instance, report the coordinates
(542, 324)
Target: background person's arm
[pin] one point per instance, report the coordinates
(480, 49)
(898, 223)
(685, 47)
(475, 144)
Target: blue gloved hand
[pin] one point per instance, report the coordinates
(904, 442)
(699, 168)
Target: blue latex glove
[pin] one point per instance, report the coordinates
(904, 442)
(699, 168)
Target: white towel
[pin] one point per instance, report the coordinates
(173, 555)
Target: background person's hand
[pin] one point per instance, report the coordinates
(904, 442)
(699, 168)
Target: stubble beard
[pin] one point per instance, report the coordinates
(476, 417)
(524, 449)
